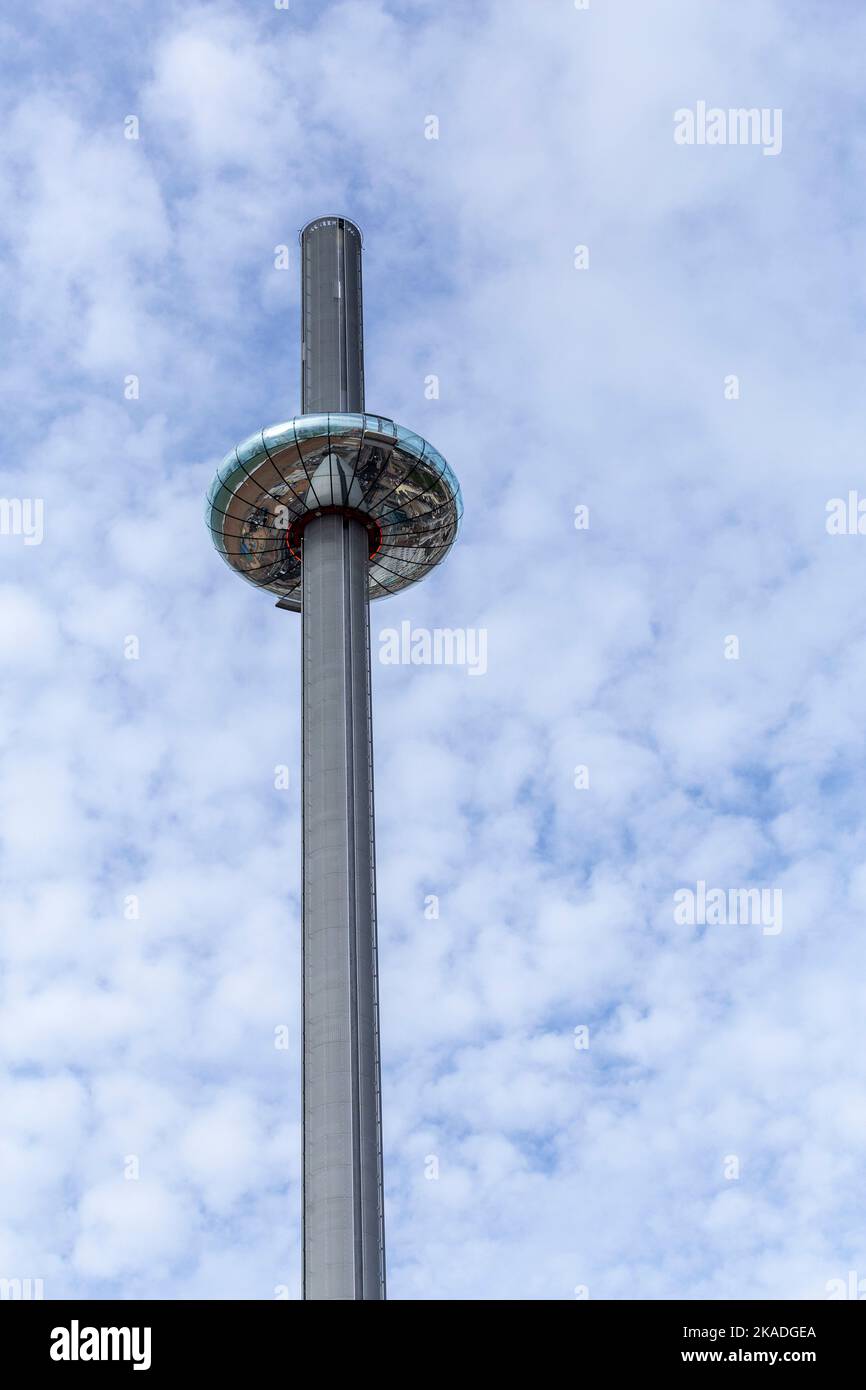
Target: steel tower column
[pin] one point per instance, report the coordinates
(332, 323)
(327, 511)
(344, 1256)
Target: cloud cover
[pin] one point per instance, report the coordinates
(147, 785)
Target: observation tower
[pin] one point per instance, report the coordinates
(327, 511)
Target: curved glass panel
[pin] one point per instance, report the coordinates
(311, 427)
(346, 424)
(229, 466)
(279, 436)
(411, 442)
(251, 448)
(380, 428)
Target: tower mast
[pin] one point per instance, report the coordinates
(343, 1218)
(329, 510)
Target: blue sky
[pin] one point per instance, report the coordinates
(151, 1038)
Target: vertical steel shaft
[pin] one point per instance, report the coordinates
(332, 325)
(344, 1255)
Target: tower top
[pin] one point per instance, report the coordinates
(330, 220)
